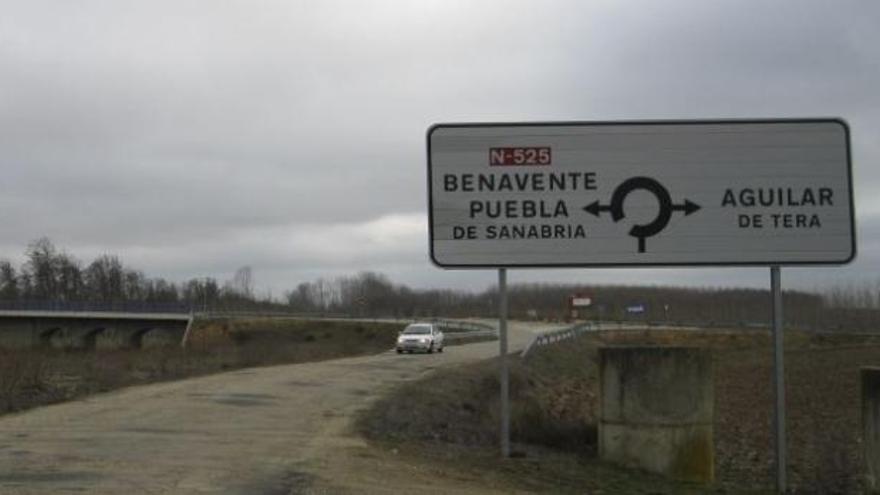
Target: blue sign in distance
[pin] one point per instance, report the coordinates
(636, 308)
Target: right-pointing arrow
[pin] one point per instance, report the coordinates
(688, 207)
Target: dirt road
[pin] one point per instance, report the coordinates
(276, 430)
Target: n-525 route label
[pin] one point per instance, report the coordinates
(649, 193)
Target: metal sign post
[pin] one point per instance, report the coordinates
(779, 377)
(502, 343)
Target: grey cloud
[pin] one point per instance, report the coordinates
(195, 137)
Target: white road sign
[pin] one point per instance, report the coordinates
(581, 302)
(649, 193)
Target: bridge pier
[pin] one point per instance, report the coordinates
(17, 334)
(111, 338)
(159, 337)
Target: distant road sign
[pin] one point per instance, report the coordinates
(581, 301)
(655, 193)
(636, 309)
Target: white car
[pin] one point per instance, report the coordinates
(420, 337)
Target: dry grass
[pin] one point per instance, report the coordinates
(553, 397)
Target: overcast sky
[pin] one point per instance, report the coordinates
(194, 137)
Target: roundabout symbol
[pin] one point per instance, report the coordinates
(643, 231)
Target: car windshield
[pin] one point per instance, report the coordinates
(417, 330)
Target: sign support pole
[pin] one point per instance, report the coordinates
(505, 382)
(779, 377)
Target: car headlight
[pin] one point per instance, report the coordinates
(424, 341)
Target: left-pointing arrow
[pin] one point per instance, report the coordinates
(595, 208)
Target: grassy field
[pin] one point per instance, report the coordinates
(450, 419)
(30, 378)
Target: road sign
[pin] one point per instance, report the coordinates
(581, 301)
(654, 193)
(635, 309)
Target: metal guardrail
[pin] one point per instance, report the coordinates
(554, 336)
(462, 326)
(458, 329)
(467, 335)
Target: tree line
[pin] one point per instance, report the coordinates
(49, 274)
(373, 295)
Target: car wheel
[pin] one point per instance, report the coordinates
(399, 351)
(440, 349)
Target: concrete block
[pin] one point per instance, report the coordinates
(657, 409)
(871, 426)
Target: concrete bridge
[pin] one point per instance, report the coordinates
(20, 329)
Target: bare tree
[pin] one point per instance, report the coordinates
(70, 280)
(105, 279)
(41, 268)
(9, 289)
(243, 282)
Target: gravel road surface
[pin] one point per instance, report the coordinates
(274, 430)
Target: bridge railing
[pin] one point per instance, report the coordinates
(96, 306)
